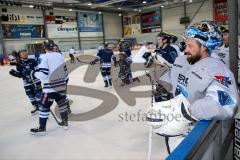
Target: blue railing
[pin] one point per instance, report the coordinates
(193, 141)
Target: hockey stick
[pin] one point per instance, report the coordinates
(82, 61)
(150, 127)
(89, 62)
(55, 117)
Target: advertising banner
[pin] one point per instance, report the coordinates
(61, 26)
(220, 11)
(59, 19)
(17, 18)
(131, 25)
(90, 24)
(12, 31)
(66, 30)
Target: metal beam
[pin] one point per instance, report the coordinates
(45, 24)
(2, 39)
(233, 36)
(79, 37)
(111, 2)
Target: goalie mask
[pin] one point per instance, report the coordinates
(172, 117)
(207, 33)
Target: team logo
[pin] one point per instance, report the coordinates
(226, 81)
(182, 80)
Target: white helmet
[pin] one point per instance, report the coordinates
(172, 117)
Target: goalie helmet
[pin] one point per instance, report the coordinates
(172, 117)
(207, 33)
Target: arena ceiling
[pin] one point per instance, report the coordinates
(99, 5)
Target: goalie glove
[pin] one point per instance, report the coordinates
(172, 117)
(15, 73)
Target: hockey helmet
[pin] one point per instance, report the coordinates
(207, 33)
(105, 44)
(49, 45)
(165, 36)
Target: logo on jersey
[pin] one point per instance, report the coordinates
(224, 98)
(182, 80)
(226, 81)
(221, 55)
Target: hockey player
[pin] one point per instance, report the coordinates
(125, 47)
(125, 70)
(32, 87)
(71, 55)
(164, 48)
(52, 72)
(105, 56)
(204, 88)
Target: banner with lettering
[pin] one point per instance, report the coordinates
(21, 18)
(61, 26)
(66, 30)
(15, 31)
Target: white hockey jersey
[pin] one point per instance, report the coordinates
(222, 53)
(52, 72)
(208, 85)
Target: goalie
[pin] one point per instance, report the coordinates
(203, 87)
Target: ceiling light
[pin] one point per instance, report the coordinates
(162, 6)
(135, 10)
(144, 2)
(31, 6)
(119, 14)
(119, 8)
(190, 1)
(99, 12)
(89, 4)
(70, 10)
(139, 10)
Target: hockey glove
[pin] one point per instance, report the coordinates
(172, 117)
(146, 55)
(15, 73)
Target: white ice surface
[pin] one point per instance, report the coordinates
(103, 138)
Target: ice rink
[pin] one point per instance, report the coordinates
(119, 134)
